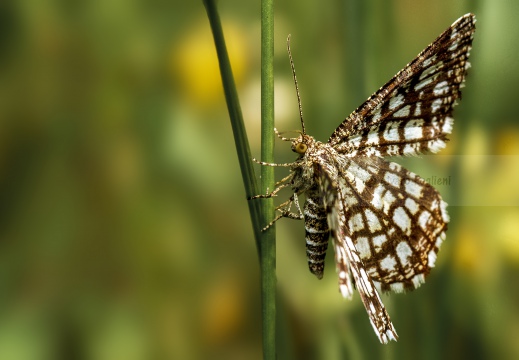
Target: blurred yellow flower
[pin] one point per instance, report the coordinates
(223, 310)
(507, 142)
(468, 251)
(195, 65)
(507, 234)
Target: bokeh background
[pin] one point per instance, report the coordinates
(124, 229)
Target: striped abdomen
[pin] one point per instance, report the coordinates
(317, 234)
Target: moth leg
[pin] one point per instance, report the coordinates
(296, 202)
(271, 164)
(285, 179)
(285, 211)
(278, 134)
(283, 183)
(269, 195)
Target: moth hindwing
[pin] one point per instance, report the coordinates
(386, 223)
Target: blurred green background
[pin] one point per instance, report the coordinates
(124, 229)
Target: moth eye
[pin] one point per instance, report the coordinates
(300, 148)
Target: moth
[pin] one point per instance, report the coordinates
(385, 222)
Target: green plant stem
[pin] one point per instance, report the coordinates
(261, 211)
(268, 241)
(238, 127)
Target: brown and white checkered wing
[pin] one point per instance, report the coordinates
(397, 221)
(412, 113)
(387, 225)
(348, 261)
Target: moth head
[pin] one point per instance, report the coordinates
(300, 144)
(299, 148)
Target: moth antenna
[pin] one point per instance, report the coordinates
(295, 82)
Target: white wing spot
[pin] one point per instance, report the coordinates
(423, 83)
(403, 112)
(372, 139)
(454, 46)
(363, 247)
(404, 251)
(392, 179)
(373, 222)
(414, 129)
(441, 238)
(391, 133)
(435, 145)
(396, 101)
(431, 258)
(350, 200)
(447, 125)
(454, 34)
(356, 223)
(429, 61)
(378, 241)
(411, 148)
(403, 221)
(376, 115)
(359, 176)
(441, 88)
(388, 263)
(417, 110)
(359, 185)
(413, 188)
(424, 219)
(388, 200)
(377, 197)
(359, 172)
(354, 141)
(411, 205)
(437, 103)
(443, 210)
(431, 70)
